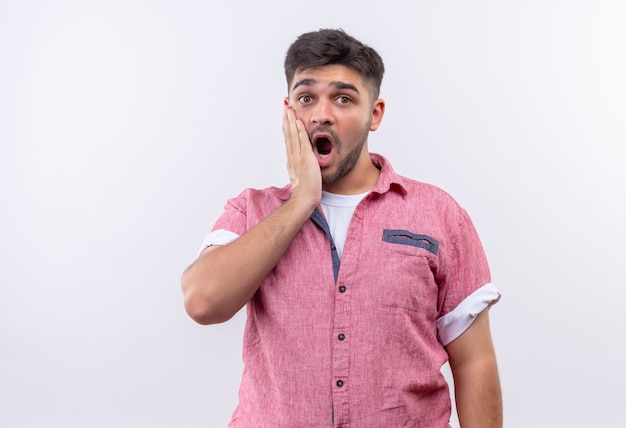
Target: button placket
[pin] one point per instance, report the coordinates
(341, 355)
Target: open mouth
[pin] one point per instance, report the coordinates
(323, 145)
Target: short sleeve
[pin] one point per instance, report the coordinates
(244, 212)
(229, 226)
(465, 287)
(234, 218)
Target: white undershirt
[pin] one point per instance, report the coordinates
(338, 210)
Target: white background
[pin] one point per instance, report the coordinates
(125, 126)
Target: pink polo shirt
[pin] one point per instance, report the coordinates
(359, 342)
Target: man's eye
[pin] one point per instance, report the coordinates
(305, 99)
(343, 100)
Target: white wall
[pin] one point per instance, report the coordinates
(125, 125)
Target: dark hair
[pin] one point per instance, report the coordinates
(334, 47)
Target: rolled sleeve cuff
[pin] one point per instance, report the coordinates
(218, 237)
(453, 324)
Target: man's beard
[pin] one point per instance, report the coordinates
(346, 165)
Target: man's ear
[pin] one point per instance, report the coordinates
(378, 111)
(286, 101)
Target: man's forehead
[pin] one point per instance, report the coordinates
(334, 75)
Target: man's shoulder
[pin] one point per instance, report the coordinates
(266, 198)
(424, 191)
(408, 187)
(267, 192)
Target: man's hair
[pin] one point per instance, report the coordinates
(334, 47)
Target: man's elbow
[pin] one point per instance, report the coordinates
(200, 305)
(204, 311)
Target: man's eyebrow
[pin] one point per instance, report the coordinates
(344, 85)
(336, 84)
(303, 82)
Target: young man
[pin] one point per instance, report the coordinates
(359, 283)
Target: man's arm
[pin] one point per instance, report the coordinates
(224, 278)
(475, 373)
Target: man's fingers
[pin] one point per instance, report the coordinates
(302, 166)
(287, 132)
(303, 136)
(296, 136)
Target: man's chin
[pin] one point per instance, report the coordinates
(331, 176)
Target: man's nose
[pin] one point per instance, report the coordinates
(323, 112)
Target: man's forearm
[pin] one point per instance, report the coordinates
(223, 279)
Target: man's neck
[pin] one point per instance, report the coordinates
(361, 179)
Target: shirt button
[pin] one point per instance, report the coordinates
(339, 383)
(332, 247)
(342, 288)
(341, 336)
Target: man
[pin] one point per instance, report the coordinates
(359, 283)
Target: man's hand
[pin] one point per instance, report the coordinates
(302, 166)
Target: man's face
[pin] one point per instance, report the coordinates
(338, 112)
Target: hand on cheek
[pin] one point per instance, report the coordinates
(302, 166)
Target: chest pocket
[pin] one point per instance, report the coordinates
(410, 272)
(404, 237)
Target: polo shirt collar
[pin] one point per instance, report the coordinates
(388, 179)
